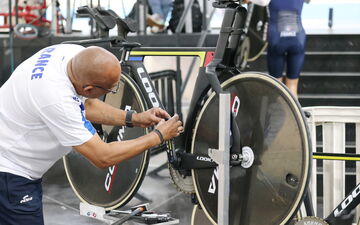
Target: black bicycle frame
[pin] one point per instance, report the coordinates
(231, 35)
(229, 40)
(142, 78)
(346, 207)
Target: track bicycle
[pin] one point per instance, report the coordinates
(267, 123)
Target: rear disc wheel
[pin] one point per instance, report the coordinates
(272, 124)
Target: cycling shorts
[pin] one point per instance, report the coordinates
(286, 47)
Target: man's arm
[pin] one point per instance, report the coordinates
(99, 112)
(103, 154)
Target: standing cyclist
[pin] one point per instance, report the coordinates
(45, 109)
(286, 38)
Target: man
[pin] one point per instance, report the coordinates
(42, 117)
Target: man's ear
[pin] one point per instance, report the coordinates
(88, 88)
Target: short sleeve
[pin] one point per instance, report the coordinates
(66, 120)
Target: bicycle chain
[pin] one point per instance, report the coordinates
(183, 184)
(311, 220)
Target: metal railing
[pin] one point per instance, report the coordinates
(333, 121)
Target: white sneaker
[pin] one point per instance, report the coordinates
(155, 29)
(155, 20)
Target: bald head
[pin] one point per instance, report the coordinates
(96, 66)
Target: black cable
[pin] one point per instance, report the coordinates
(128, 217)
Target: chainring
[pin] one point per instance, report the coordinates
(182, 183)
(311, 220)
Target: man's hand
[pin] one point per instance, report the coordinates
(171, 128)
(246, 1)
(149, 118)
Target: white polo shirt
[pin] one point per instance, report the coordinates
(41, 115)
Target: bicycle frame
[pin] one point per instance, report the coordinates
(346, 206)
(133, 64)
(212, 63)
(232, 33)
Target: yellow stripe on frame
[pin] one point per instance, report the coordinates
(336, 158)
(170, 53)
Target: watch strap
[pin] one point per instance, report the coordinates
(128, 118)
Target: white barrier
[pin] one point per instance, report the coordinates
(332, 120)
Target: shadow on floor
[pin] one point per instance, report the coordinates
(61, 205)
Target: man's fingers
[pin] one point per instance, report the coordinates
(175, 117)
(161, 122)
(161, 113)
(156, 119)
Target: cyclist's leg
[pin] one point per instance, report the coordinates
(275, 54)
(295, 61)
(292, 84)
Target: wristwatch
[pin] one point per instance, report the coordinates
(128, 118)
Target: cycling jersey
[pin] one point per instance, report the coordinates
(41, 115)
(286, 38)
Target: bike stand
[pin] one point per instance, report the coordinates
(222, 157)
(139, 213)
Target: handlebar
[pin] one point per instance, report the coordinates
(107, 19)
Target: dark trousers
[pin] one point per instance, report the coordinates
(20, 200)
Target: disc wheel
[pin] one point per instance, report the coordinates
(114, 186)
(198, 217)
(272, 124)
